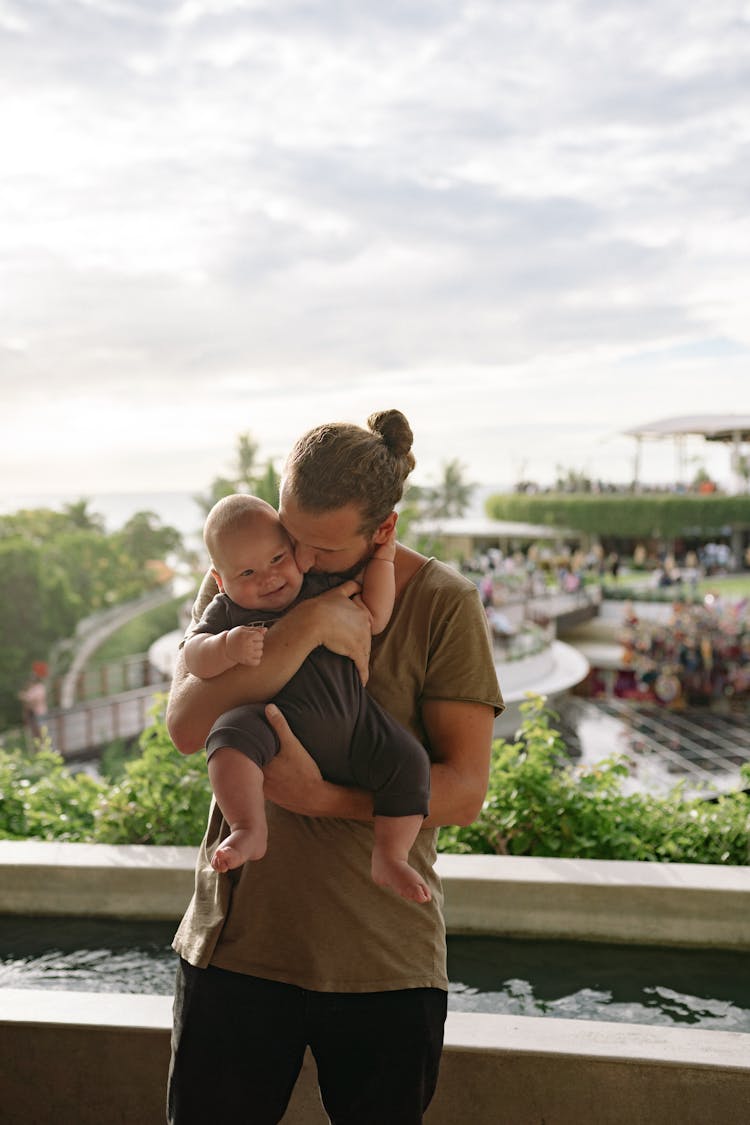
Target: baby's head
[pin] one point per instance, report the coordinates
(251, 556)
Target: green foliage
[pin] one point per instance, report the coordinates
(247, 476)
(59, 567)
(37, 606)
(535, 807)
(40, 799)
(624, 515)
(162, 797)
(137, 634)
(450, 497)
(145, 538)
(157, 797)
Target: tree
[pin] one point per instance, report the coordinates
(78, 515)
(451, 496)
(145, 538)
(59, 567)
(37, 607)
(247, 477)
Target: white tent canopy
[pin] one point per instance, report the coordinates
(733, 429)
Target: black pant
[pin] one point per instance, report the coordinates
(238, 1043)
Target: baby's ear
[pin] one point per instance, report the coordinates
(217, 579)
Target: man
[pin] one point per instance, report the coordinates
(301, 948)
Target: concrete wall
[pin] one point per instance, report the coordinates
(680, 904)
(86, 1059)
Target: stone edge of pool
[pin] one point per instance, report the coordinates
(89, 1057)
(104, 1056)
(689, 905)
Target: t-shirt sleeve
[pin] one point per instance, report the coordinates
(461, 663)
(206, 594)
(215, 618)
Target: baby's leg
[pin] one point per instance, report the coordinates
(394, 836)
(237, 783)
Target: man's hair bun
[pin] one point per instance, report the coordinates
(394, 430)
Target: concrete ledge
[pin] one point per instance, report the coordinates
(672, 904)
(95, 880)
(105, 1058)
(580, 900)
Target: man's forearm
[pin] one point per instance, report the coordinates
(195, 704)
(450, 802)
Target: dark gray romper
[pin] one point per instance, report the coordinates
(352, 739)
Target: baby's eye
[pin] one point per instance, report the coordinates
(247, 573)
(277, 558)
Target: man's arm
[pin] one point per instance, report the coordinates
(460, 735)
(331, 619)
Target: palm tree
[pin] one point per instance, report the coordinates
(78, 514)
(452, 496)
(247, 476)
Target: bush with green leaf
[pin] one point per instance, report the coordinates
(41, 799)
(537, 805)
(161, 798)
(158, 797)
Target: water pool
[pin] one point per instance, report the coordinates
(567, 980)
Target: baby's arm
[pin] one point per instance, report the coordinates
(379, 584)
(209, 654)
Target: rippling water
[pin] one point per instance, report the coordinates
(629, 984)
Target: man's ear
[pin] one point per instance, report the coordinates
(385, 529)
(217, 579)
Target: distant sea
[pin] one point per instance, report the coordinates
(175, 508)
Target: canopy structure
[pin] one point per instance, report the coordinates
(732, 429)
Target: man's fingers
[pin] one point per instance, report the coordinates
(363, 667)
(277, 720)
(349, 588)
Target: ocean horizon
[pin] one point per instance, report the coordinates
(177, 508)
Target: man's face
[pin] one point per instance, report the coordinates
(327, 542)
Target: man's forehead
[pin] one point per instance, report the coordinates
(324, 531)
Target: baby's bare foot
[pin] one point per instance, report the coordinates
(240, 846)
(400, 877)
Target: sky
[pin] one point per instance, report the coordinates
(523, 223)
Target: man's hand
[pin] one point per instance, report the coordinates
(343, 626)
(292, 778)
(244, 645)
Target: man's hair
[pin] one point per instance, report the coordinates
(339, 464)
(230, 514)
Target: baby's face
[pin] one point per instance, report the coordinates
(256, 567)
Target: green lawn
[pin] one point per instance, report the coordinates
(729, 586)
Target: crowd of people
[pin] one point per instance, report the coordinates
(700, 655)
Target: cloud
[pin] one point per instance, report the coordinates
(293, 207)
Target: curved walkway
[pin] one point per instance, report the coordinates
(102, 626)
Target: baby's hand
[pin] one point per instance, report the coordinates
(244, 644)
(387, 550)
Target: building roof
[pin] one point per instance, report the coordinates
(713, 427)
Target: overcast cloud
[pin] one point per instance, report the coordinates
(524, 223)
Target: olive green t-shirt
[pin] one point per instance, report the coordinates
(308, 913)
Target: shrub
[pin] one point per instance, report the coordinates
(536, 806)
(41, 799)
(161, 798)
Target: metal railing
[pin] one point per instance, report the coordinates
(90, 725)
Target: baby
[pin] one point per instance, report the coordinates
(353, 740)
